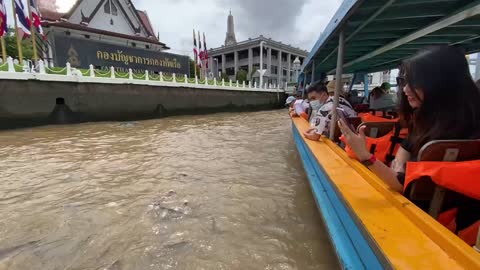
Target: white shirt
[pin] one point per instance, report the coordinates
(323, 118)
(300, 106)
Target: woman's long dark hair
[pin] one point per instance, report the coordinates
(451, 104)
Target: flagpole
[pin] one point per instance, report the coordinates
(205, 53)
(194, 56)
(203, 60)
(200, 54)
(4, 50)
(19, 41)
(32, 30)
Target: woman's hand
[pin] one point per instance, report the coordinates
(356, 142)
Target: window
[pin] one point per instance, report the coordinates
(230, 71)
(114, 10)
(106, 7)
(274, 70)
(110, 8)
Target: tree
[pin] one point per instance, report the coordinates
(254, 70)
(242, 76)
(11, 45)
(225, 77)
(192, 69)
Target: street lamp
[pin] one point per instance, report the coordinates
(296, 67)
(261, 71)
(216, 70)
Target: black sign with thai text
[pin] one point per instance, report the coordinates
(82, 53)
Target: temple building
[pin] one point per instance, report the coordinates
(105, 33)
(278, 58)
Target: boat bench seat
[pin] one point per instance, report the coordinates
(377, 129)
(451, 150)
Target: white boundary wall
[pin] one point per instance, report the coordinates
(74, 75)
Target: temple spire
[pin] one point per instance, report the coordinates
(230, 38)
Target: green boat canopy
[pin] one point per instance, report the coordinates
(379, 34)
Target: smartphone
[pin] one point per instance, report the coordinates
(343, 115)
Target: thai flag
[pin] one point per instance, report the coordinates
(195, 48)
(37, 17)
(24, 23)
(205, 52)
(3, 19)
(200, 50)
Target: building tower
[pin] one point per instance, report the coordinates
(230, 39)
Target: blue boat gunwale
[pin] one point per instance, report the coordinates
(355, 248)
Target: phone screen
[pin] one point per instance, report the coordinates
(343, 115)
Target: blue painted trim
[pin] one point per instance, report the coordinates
(353, 249)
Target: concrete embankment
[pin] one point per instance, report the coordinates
(35, 102)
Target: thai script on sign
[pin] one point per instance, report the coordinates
(119, 56)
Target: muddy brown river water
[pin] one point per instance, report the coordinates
(222, 191)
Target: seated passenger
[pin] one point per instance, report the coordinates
(289, 103)
(315, 98)
(386, 87)
(323, 117)
(298, 107)
(381, 99)
(440, 101)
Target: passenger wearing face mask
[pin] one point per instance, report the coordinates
(317, 100)
(320, 121)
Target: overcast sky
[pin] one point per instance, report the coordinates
(296, 22)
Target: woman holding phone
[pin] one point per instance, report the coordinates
(439, 100)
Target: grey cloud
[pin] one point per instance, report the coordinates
(271, 18)
(296, 22)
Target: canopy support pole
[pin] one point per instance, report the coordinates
(366, 85)
(339, 83)
(477, 77)
(313, 71)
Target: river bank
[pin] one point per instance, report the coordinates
(29, 102)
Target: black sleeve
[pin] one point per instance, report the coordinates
(401, 178)
(407, 145)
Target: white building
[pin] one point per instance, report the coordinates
(277, 58)
(105, 33)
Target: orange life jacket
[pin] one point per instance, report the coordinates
(384, 148)
(462, 177)
(469, 234)
(368, 118)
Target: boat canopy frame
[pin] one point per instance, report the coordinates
(367, 36)
(379, 34)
